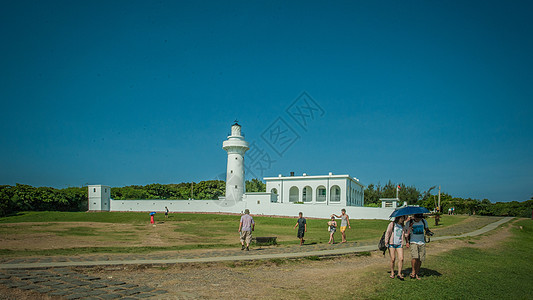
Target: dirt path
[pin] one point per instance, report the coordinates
(282, 279)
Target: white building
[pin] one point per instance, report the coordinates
(329, 189)
(99, 197)
(315, 196)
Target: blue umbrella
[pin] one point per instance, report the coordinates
(409, 210)
(152, 213)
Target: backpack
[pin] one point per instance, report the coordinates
(382, 245)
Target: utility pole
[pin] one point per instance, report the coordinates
(192, 194)
(439, 197)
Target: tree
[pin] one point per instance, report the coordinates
(255, 185)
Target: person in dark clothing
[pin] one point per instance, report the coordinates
(302, 227)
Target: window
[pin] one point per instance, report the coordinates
(335, 194)
(94, 190)
(274, 198)
(293, 194)
(321, 194)
(307, 194)
(235, 186)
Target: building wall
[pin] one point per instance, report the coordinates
(258, 203)
(351, 193)
(177, 205)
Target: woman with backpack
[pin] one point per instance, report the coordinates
(394, 240)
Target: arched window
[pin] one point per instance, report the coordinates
(335, 194)
(307, 194)
(293, 194)
(321, 194)
(274, 190)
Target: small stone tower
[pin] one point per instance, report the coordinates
(236, 146)
(99, 197)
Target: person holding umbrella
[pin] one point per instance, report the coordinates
(416, 229)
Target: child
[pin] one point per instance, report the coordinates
(302, 227)
(332, 228)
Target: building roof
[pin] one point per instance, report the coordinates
(303, 177)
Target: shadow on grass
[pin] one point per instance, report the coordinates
(425, 272)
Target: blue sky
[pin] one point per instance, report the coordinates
(136, 92)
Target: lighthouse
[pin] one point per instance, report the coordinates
(235, 146)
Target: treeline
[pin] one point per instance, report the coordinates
(203, 190)
(429, 199)
(23, 197)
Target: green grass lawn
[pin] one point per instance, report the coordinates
(502, 272)
(200, 230)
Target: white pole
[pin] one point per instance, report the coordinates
(439, 197)
(397, 192)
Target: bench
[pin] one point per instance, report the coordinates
(264, 240)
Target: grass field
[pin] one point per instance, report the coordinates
(500, 272)
(69, 233)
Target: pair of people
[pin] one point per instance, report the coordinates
(332, 226)
(411, 235)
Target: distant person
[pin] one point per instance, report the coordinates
(450, 210)
(394, 240)
(416, 227)
(345, 222)
(246, 226)
(302, 227)
(166, 212)
(332, 227)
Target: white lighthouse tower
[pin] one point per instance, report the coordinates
(236, 146)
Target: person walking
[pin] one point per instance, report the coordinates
(332, 227)
(166, 212)
(345, 222)
(394, 240)
(416, 229)
(246, 226)
(302, 227)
